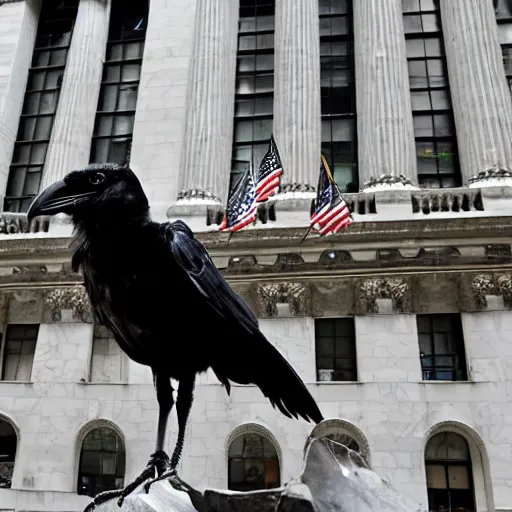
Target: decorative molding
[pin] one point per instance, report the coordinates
(196, 195)
(397, 290)
(491, 284)
(492, 177)
(294, 294)
(73, 298)
(389, 181)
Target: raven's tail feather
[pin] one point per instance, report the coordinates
(276, 378)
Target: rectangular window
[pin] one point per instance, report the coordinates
(113, 129)
(337, 77)
(434, 125)
(18, 351)
(335, 349)
(254, 93)
(108, 361)
(441, 346)
(40, 104)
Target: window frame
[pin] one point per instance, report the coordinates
(65, 14)
(467, 464)
(118, 41)
(252, 9)
(459, 372)
(329, 147)
(263, 458)
(337, 321)
(120, 460)
(4, 340)
(426, 179)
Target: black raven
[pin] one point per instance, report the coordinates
(158, 291)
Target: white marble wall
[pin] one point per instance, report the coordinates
(395, 411)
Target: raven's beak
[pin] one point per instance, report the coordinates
(57, 198)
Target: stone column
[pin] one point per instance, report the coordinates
(482, 105)
(70, 142)
(18, 28)
(206, 160)
(297, 115)
(386, 146)
(159, 128)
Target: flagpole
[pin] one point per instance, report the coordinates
(306, 235)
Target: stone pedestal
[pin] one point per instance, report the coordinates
(387, 150)
(206, 160)
(482, 104)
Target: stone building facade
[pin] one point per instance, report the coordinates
(400, 326)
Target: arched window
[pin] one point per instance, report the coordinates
(253, 464)
(449, 476)
(102, 462)
(8, 441)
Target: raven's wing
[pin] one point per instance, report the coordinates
(250, 359)
(192, 256)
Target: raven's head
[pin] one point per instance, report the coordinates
(101, 191)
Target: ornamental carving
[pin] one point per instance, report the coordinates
(397, 290)
(491, 284)
(293, 294)
(71, 298)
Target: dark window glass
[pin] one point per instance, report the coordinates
(41, 98)
(335, 349)
(449, 475)
(102, 462)
(18, 352)
(434, 125)
(8, 442)
(441, 345)
(113, 129)
(254, 93)
(337, 77)
(252, 464)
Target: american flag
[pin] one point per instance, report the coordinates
(269, 173)
(331, 212)
(241, 208)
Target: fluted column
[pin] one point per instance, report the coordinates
(482, 105)
(206, 159)
(70, 142)
(386, 146)
(297, 129)
(18, 28)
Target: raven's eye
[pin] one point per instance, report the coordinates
(97, 178)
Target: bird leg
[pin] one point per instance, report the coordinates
(183, 406)
(159, 460)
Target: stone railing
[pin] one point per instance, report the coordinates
(17, 223)
(453, 200)
(361, 204)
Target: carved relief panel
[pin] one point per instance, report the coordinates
(386, 295)
(284, 299)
